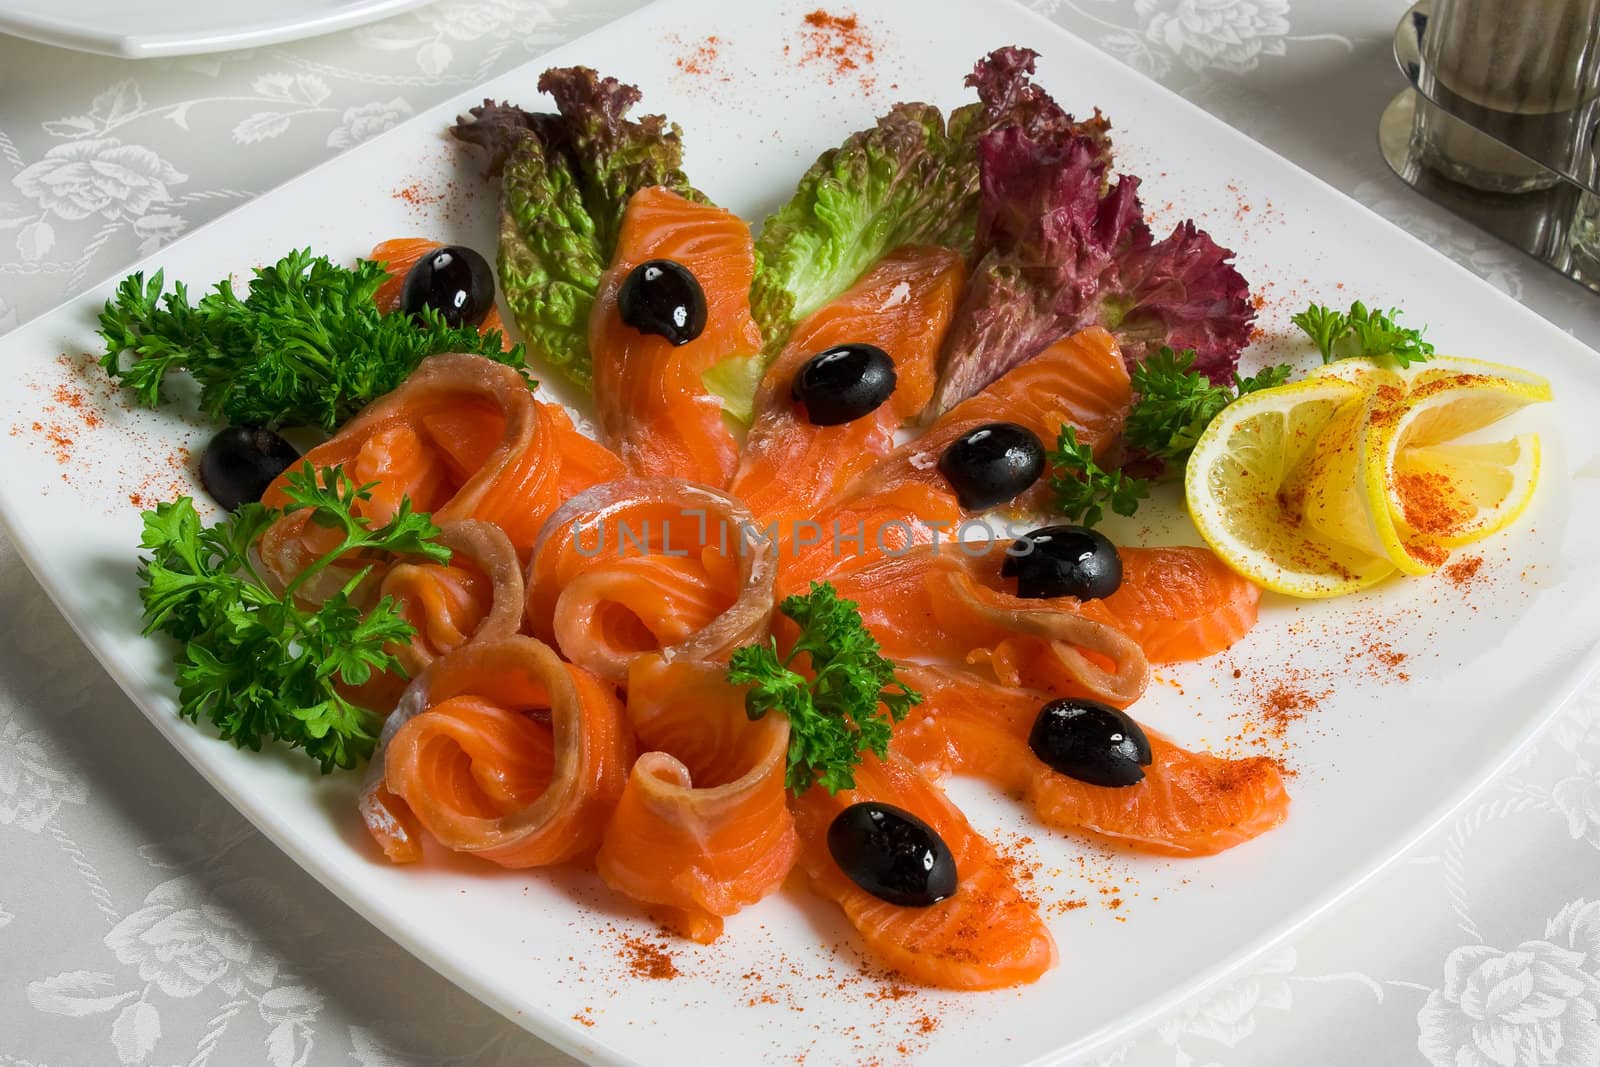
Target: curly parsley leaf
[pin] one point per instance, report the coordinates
(1082, 490)
(1360, 332)
(253, 661)
(1175, 403)
(306, 347)
(848, 704)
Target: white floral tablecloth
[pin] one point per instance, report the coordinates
(143, 922)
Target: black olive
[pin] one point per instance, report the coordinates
(992, 464)
(455, 281)
(662, 297)
(241, 461)
(892, 854)
(844, 383)
(1090, 741)
(1063, 561)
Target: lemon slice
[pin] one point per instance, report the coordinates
(1245, 483)
(1455, 366)
(1362, 371)
(1369, 372)
(1496, 481)
(1425, 493)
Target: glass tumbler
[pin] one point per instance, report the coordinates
(1525, 71)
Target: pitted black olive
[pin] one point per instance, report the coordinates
(1090, 741)
(892, 854)
(992, 464)
(455, 281)
(844, 383)
(1063, 561)
(663, 298)
(241, 461)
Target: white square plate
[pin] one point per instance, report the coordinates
(1380, 759)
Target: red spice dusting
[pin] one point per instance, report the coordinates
(1389, 658)
(74, 400)
(648, 959)
(1275, 699)
(1463, 571)
(892, 992)
(1431, 503)
(1102, 874)
(703, 59)
(1016, 859)
(77, 403)
(416, 195)
(840, 45)
(582, 1017)
(927, 1024)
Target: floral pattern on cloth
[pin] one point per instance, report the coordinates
(156, 927)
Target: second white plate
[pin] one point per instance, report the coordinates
(153, 28)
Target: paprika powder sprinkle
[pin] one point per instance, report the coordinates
(1463, 571)
(648, 959)
(702, 59)
(839, 44)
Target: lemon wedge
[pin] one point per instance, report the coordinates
(1247, 489)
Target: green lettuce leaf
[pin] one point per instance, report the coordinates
(734, 381)
(566, 178)
(905, 181)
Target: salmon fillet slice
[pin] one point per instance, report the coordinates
(654, 406)
(985, 936)
(503, 751)
(702, 829)
(1189, 803)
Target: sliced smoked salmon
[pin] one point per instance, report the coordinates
(702, 828)
(985, 936)
(1189, 803)
(654, 405)
(903, 499)
(477, 596)
(462, 438)
(646, 565)
(1176, 602)
(399, 255)
(932, 603)
(501, 750)
(790, 467)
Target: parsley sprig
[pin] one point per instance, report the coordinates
(850, 702)
(1081, 489)
(1174, 406)
(1359, 332)
(1176, 403)
(253, 661)
(306, 347)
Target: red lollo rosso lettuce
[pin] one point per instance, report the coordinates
(1058, 249)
